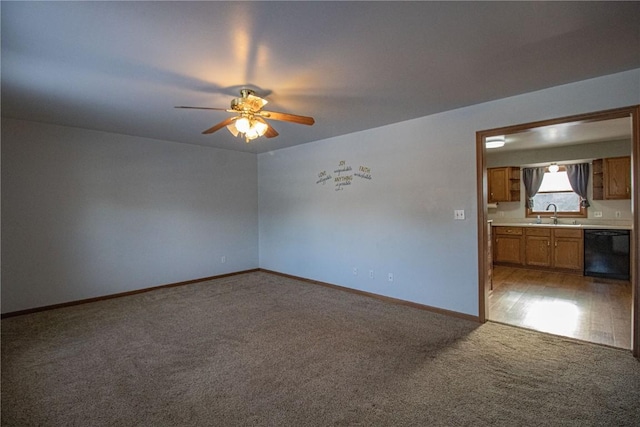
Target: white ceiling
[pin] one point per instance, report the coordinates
(571, 133)
(122, 66)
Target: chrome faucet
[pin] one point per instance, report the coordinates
(555, 212)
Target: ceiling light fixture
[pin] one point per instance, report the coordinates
(553, 168)
(250, 119)
(249, 126)
(495, 141)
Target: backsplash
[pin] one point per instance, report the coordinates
(514, 212)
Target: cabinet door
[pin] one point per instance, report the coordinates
(508, 249)
(568, 253)
(489, 278)
(498, 184)
(617, 178)
(538, 251)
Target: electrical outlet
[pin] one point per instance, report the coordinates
(355, 271)
(223, 259)
(391, 277)
(597, 214)
(501, 214)
(458, 214)
(371, 274)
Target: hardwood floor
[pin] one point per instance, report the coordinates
(586, 308)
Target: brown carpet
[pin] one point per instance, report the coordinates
(259, 349)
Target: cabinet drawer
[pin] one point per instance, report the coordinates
(538, 232)
(517, 231)
(563, 232)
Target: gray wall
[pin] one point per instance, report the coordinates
(87, 213)
(402, 220)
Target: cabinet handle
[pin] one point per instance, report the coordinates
(556, 245)
(548, 244)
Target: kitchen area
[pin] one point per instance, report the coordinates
(560, 257)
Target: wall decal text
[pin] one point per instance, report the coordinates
(344, 175)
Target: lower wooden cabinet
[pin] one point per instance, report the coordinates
(489, 278)
(540, 247)
(568, 249)
(508, 245)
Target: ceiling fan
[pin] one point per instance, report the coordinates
(249, 120)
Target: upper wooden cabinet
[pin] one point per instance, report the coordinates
(617, 178)
(612, 178)
(504, 184)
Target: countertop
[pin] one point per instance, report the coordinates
(551, 225)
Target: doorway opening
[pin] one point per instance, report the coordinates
(538, 280)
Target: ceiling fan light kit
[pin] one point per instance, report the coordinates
(250, 121)
(250, 127)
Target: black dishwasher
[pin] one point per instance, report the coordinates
(606, 253)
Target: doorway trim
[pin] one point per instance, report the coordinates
(483, 232)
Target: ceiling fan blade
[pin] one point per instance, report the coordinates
(202, 108)
(271, 132)
(286, 117)
(220, 125)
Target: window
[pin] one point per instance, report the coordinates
(556, 189)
